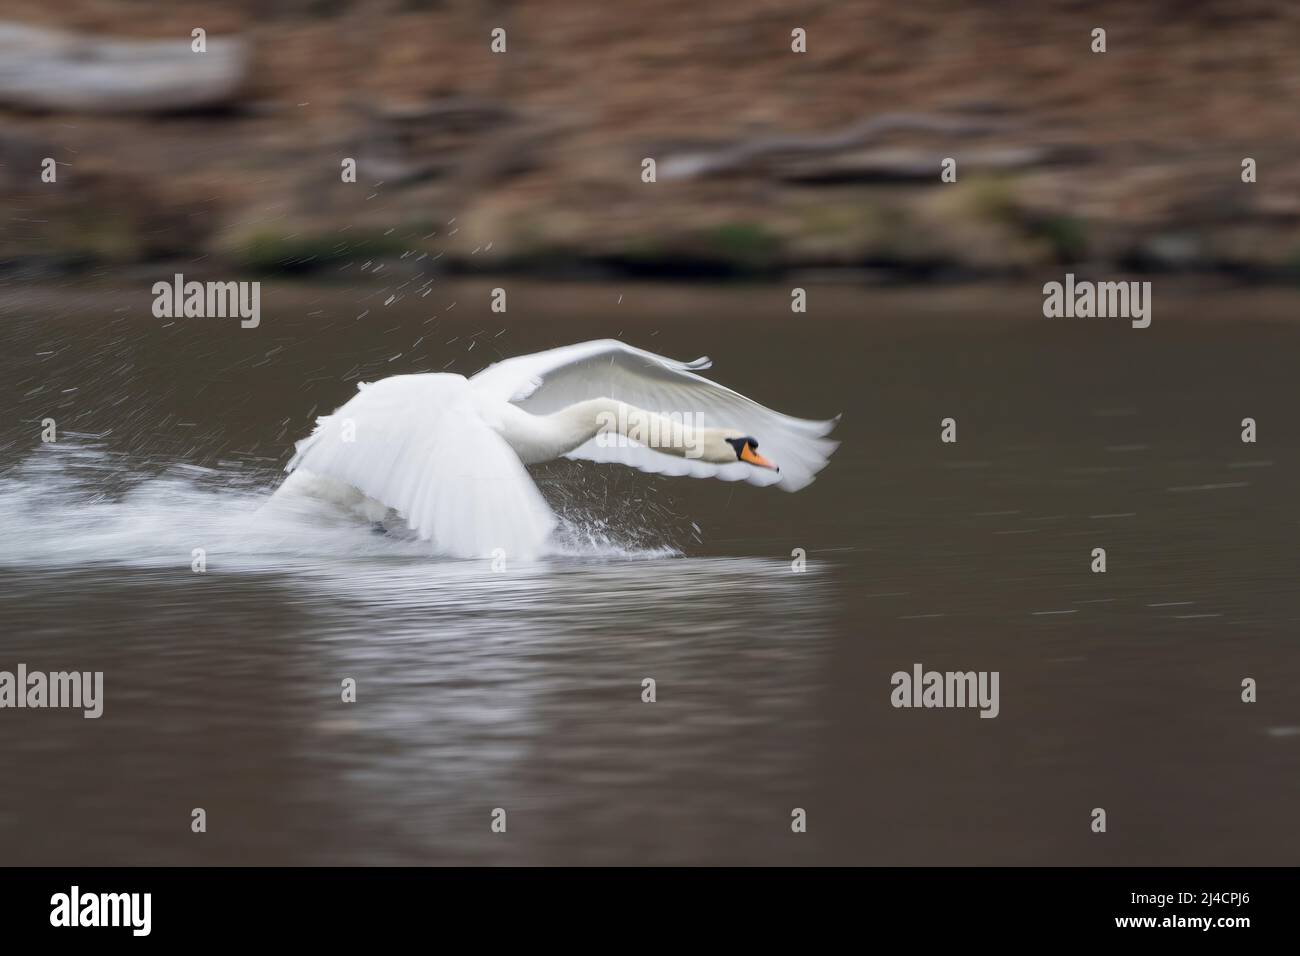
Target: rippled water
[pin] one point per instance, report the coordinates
(522, 689)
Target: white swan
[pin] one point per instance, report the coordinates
(447, 453)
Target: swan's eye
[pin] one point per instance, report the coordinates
(740, 444)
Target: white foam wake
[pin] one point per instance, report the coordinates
(76, 503)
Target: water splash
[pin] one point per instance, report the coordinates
(77, 503)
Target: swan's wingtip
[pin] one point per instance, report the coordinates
(824, 428)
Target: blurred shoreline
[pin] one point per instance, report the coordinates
(770, 163)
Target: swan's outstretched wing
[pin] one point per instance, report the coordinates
(416, 443)
(548, 381)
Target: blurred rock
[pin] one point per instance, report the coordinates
(43, 69)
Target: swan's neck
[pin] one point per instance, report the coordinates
(608, 420)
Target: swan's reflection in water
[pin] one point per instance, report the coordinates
(523, 690)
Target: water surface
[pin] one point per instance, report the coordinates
(522, 690)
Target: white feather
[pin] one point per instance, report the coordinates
(420, 446)
(548, 381)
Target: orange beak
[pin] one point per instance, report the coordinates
(754, 458)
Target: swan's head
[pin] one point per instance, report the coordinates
(745, 448)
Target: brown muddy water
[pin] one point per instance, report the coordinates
(522, 690)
